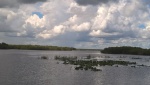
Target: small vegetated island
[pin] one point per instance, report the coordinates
(34, 47)
(126, 50)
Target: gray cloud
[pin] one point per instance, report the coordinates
(16, 3)
(7, 3)
(93, 2)
(128, 34)
(30, 1)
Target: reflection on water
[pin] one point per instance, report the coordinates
(22, 67)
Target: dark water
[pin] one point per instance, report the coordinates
(22, 67)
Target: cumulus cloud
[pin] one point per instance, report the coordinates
(115, 22)
(9, 21)
(35, 21)
(57, 30)
(82, 27)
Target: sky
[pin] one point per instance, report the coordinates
(92, 24)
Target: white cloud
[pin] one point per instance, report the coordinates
(36, 22)
(45, 34)
(73, 19)
(57, 30)
(95, 33)
(82, 27)
(75, 8)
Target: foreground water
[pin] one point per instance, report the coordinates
(23, 67)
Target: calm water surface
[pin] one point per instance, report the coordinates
(22, 67)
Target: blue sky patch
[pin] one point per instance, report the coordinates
(142, 26)
(38, 14)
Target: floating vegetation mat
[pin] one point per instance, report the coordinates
(89, 64)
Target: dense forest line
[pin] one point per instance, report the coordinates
(34, 47)
(126, 50)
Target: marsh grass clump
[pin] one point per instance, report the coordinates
(141, 65)
(95, 69)
(44, 57)
(65, 58)
(79, 67)
(136, 58)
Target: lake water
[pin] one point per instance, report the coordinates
(23, 67)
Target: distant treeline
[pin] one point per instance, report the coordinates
(126, 50)
(34, 47)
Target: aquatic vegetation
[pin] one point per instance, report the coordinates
(136, 58)
(122, 56)
(65, 58)
(43, 57)
(91, 64)
(141, 65)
